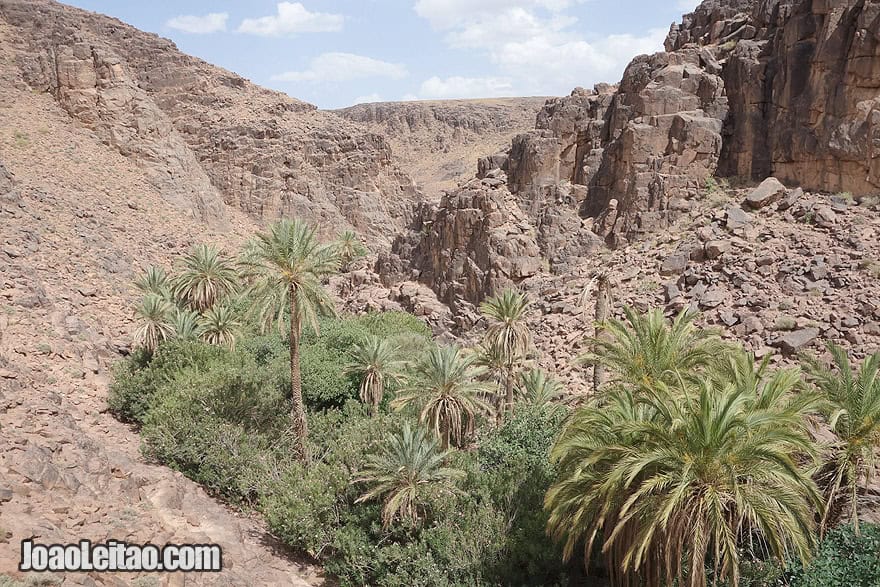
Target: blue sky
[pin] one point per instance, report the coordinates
(335, 53)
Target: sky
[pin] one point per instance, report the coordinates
(335, 53)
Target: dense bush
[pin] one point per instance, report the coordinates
(324, 354)
(491, 531)
(223, 424)
(136, 380)
(515, 469)
(844, 560)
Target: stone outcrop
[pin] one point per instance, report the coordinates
(476, 240)
(746, 89)
(207, 135)
(812, 70)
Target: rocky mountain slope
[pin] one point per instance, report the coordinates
(78, 219)
(206, 136)
(437, 141)
(743, 91)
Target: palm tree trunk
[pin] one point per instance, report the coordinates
(509, 388)
(297, 409)
(603, 301)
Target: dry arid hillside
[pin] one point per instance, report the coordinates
(439, 141)
(77, 221)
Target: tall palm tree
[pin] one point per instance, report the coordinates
(508, 332)
(851, 405)
(206, 277)
(154, 280)
(647, 348)
(348, 247)
(446, 389)
(405, 473)
(492, 360)
(376, 361)
(285, 266)
(668, 478)
(185, 324)
(153, 314)
(219, 326)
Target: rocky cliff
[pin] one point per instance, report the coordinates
(206, 136)
(745, 89)
(437, 142)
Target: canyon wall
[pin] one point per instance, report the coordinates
(205, 135)
(746, 89)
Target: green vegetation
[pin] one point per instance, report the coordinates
(852, 409)
(376, 362)
(349, 248)
(507, 335)
(396, 461)
(845, 558)
(446, 390)
(406, 472)
(667, 476)
(285, 266)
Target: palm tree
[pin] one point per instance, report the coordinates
(219, 326)
(153, 313)
(446, 389)
(409, 468)
(539, 389)
(285, 265)
(348, 247)
(376, 361)
(508, 332)
(669, 478)
(647, 348)
(851, 405)
(185, 324)
(206, 277)
(492, 360)
(154, 280)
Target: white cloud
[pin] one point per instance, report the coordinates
(534, 44)
(465, 87)
(449, 13)
(292, 18)
(340, 67)
(368, 99)
(210, 23)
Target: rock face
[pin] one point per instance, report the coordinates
(813, 69)
(437, 141)
(207, 136)
(746, 89)
(476, 240)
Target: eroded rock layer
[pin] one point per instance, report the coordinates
(746, 89)
(205, 135)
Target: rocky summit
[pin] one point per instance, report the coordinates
(736, 173)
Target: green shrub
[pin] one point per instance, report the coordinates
(323, 358)
(224, 425)
(516, 471)
(844, 560)
(324, 382)
(137, 378)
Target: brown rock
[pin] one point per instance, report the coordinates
(796, 341)
(716, 248)
(770, 191)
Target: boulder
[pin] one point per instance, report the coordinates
(769, 192)
(797, 340)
